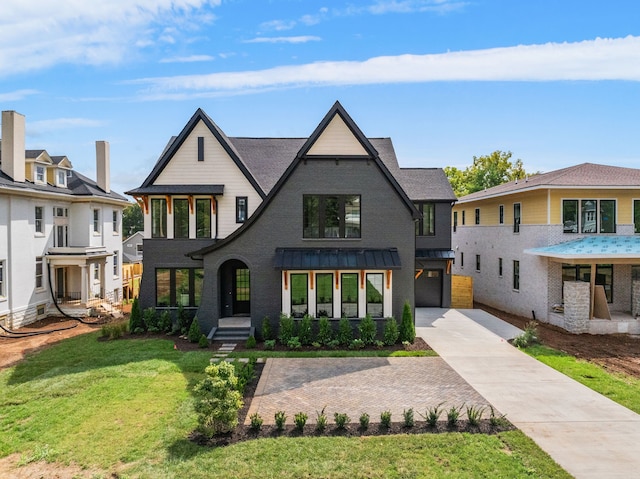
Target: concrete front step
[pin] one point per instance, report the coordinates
(231, 333)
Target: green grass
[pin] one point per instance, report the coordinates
(337, 353)
(624, 390)
(125, 407)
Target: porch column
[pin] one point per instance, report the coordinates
(84, 283)
(592, 285)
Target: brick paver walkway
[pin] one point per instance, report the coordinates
(357, 385)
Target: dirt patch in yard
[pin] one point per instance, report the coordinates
(618, 353)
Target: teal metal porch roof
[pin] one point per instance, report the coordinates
(597, 248)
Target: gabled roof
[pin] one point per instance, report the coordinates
(61, 161)
(38, 155)
(585, 175)
(372, 155)
(175, 145)
(426, 184)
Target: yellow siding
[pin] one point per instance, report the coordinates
(624, 203)
(337, 139)
(533, 209)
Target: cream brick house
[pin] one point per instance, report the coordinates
(523, 242)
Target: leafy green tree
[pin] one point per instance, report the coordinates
(132, 220)
(486, 171)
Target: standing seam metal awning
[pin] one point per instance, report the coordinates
(435, 254)
(336, 258)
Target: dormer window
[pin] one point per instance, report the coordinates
(61, 178)
(39, 175)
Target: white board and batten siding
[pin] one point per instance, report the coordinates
(218, 168)
(337, 138)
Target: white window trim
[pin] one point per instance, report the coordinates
(387, 297)
(115, 224)
(36, 167)
(42, 222)
(116, 264)
(62, 183)
(97, 231)
(42, 287)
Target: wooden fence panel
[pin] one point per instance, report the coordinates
(461, 292)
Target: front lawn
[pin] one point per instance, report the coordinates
(126, 407)
(624, 390)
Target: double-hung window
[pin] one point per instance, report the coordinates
(96, 220)
(331, 216)
(203, 218)
(39, 174)
(516, 275)
(158, 218)
(39, 272)
(180, 218)
(114, 222)
(426, 226)
(116, 264)
(517, 217)
(39, 219)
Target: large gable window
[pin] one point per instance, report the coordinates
(331, 216)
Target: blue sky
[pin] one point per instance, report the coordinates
(556, 82)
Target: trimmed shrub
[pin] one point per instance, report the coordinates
(218, 400)
(407, 328)
(304, 330)
(135, 319)
(325, 334)
(251, 342)
(407, 414)
(256, 421)
(341, 420)
(368, 330)
(364, 421)
(165, 323)
(287, 329)
(345, 332)
(453, 414)
(385, 419)
(184, 322)
(203, 342)
(194, 331)
(151, 320)
(300, 419)
(270, 344)
(321, 420)
(267, 331)
(280, 418)
(391, 332)
(294, 343)
(357, 344)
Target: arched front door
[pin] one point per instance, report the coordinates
(235, 285)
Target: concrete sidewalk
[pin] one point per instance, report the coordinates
(589, 435)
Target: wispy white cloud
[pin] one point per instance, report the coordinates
(299, 39)
(599, 59)
(17, 95)
(35, 35)
(37, 128)
(188, 59)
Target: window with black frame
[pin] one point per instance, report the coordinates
(324, 295)
(331, 216)
(375, 295)
(180, 218)
(349, 290)
(299, 294)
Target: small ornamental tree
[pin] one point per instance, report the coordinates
(304, 330)
(391, 332)
(368, 330)
(407, 328)
(136, 325)
(194, 331)
(345, 332)
(218, 400)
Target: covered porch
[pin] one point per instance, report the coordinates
(77, 278)
(599, 284)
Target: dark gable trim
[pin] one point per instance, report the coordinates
(337, 109)
(200, 115)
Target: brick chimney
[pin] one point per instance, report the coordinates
(102, 166)
(13, 154)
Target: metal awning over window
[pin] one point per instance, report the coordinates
(435, 254)
(336, 258)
